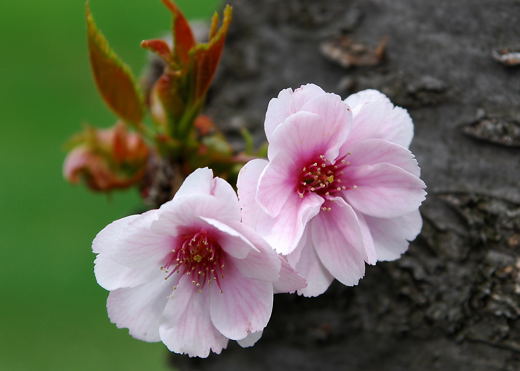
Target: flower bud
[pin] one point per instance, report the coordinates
(106, 159)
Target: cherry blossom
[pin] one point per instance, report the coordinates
(340, 187)
(190, 274)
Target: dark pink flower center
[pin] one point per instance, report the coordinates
(322, 177)
(198, 256)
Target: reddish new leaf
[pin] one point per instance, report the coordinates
(160, 47)
(113, 77)
(207, 56)
(169, 89)
(183, 37)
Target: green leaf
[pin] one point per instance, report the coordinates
(248, 141)
(113, 77)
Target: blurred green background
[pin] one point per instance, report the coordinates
(52, 312)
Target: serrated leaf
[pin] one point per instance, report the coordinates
(113, 77)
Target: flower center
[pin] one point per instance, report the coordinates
(198, 256)
(322, 177)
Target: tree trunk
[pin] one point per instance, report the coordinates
(452, 301)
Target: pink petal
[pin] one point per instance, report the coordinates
(309, 266)
(338, 241)
(110, 237)
(224, 192)
(276, 184)
(284, 232)
(186, 211)
(186, 326)
(289, 280)
(112, 275)
(277, 111)
(262, 263)
(370, 254)
(202, 182)
(375, 117)
(129, 253)
(391, 236)
(250, 339)
(384, 190)
(140, 308)
(231, 241)
(305, 93)
(198, 182)
(182, 212)
(333, 112)
(287, 103)
(304, 136)
(358, 100)
(244, 305)
(376, 151)
(247, 184)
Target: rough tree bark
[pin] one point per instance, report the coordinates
(452, 302)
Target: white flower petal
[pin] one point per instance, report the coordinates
(287, 103)
(309, 266)
(384, 190)
(250, 339)
(391, 236)
(375, 117)
(140, 308)
(230, 240)
(186, 326)
(130, 254)
(243, 306)
(377, 151)
(338, 241)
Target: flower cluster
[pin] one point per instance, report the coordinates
(339, 189)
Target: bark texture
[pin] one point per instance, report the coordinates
(452, 302)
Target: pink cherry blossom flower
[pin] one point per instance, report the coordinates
(190, 274)
(339, 189)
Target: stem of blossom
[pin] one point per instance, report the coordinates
(186, 123)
